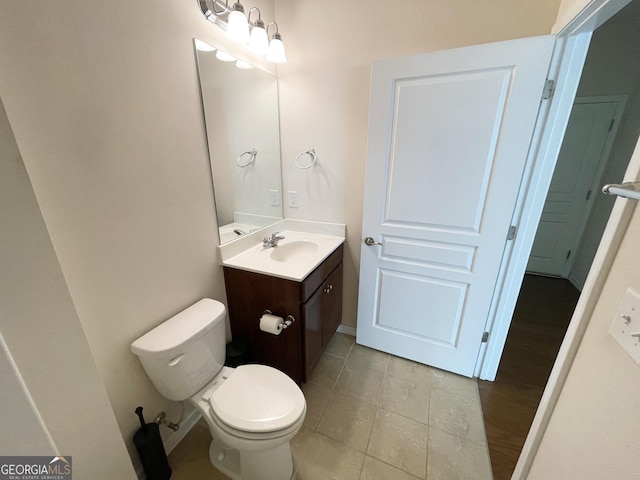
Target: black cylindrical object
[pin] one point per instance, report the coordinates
(237, 353)
(151, 450)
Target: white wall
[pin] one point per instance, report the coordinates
(324, 88)
(53, 401)
(612, 68)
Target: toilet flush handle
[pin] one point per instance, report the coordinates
(174, 361)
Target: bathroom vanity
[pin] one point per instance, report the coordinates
(314, 301)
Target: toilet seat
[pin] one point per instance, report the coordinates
(257, 399)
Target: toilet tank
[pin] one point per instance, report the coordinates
(182, 354)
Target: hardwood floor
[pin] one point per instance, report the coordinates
(543, 312)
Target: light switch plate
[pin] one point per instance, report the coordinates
(293, 199)
(275, 198)
(625, 328)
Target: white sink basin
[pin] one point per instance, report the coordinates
(294, 251)
(295, 256)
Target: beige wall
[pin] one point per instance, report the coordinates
(324, 88)
(593, 432)
(105, 107)
(52, 399)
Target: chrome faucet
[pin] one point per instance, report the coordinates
(272, 241)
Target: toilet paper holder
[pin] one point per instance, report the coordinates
(288, 321)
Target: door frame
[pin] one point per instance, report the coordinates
(566, 68)
(574, 29)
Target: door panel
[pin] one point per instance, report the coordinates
(568, 203)
(449, 134)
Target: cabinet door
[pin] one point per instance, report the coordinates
(313, 332)
(332, 305)
(322, 315)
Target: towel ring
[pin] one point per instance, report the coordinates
(252, 154)
(312, 153)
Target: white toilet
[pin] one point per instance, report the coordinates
(252, 411)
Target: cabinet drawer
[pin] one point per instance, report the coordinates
(318, 276)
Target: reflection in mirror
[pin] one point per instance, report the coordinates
(243, 131)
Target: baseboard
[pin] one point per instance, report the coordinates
(347, 330)
(576, 283)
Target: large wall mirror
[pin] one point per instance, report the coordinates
(243, 129)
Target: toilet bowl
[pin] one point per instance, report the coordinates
(252, 411)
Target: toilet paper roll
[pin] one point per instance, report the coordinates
(271, 324)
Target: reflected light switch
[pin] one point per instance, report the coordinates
(275, 198)
(625, 328)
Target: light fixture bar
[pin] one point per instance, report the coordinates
(258, 40)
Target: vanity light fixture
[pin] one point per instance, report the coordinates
(224, 56)
(237, 24)
(259, 40)
(276, 47)
(244, 65)
(240, 28)
(203, 46)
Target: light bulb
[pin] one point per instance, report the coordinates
(259, 42)
(203, 46)
(244, 65)
(237, 25)
(276, 50)
(224, 56)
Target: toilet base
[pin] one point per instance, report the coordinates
(273, 464)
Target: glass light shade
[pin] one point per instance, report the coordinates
(259, 42)
(238, 27)
(276, 51)
(203, 46)
(224, 56)
(243, 65)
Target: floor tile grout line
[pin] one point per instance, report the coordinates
(333, 387)
(366, 455)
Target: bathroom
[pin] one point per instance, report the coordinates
(104, 105)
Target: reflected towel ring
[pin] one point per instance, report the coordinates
(312, 153)
(252, 154)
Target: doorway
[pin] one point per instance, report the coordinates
(577, 179)
(613, 41)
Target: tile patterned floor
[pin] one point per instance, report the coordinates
(373, 416)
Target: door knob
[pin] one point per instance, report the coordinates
(370, 241)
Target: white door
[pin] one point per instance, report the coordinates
(449, 134)
(574, 185)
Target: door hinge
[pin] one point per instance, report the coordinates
(485, 337)
(511, 234)
(613, 120)
(588, 195)
(547, 91)
(568, 254)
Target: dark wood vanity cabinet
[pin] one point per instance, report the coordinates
(315, 303)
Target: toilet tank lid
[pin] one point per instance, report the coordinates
(169, 337)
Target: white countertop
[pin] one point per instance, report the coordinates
(300, 251)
